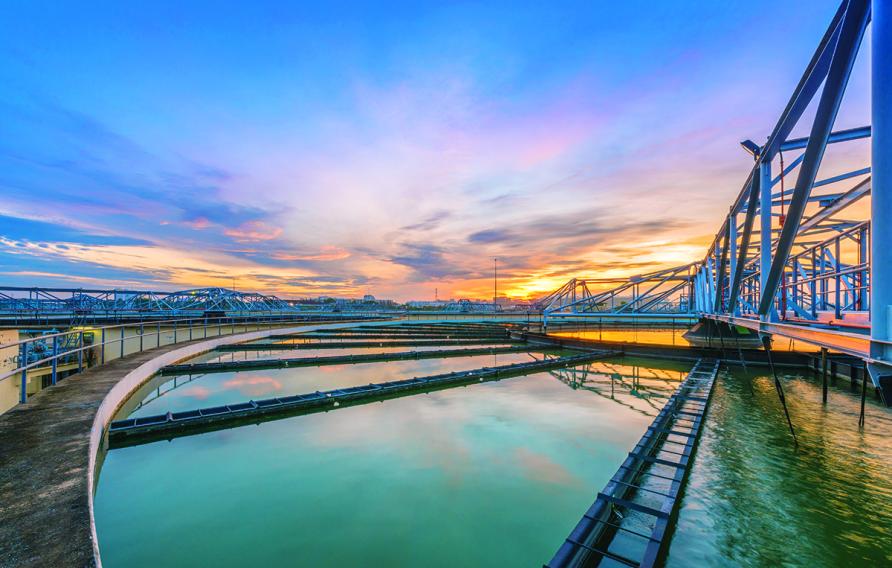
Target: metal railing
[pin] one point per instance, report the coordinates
(73, 346)
(829, 275)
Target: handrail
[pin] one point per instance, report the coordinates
(225, 325)
(245, 320)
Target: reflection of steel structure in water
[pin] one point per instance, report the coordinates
(805, 250)
(177, 382)
(174, 424)
(183, 376)
(596, 379)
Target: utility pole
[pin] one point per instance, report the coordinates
(495, 284)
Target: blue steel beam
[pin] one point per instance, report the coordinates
(838, 136)
(837, 205)
(765, 222)
(789, 168)
(851, 31)
(815, 73)
(881, 197)
(720, 275)
(743, 251)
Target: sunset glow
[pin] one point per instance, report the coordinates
(308, 150)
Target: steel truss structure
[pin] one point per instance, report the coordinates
(661, 292)
(817, 265)
(16, 300)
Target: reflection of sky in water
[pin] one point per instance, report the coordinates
(226, 388)
(668, 336)
(492, 474)
(215, 356)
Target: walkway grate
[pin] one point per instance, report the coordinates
(643, 493)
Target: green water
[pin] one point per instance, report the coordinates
(497, 474)
(232, 387)
(753, 499)
(493, 474)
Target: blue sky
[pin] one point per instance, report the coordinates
(345, 148)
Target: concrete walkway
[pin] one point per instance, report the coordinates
(44, 459)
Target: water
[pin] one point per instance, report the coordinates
(659, 336)
(494, 474)
(755, 500)
(649, 335)
(216, 356)
(497, 474)
(232, 387)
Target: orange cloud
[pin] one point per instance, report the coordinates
(200, 393)
(253, 386)
(252, 231)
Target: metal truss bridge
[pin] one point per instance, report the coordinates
(76, 304)
(77, 300)
(805, 250)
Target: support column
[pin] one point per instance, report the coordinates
(701, 304)
(732, 255)
(881, 197)
(765, 233)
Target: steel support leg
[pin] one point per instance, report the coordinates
(732, 253)
(765, 236)
(881, 199)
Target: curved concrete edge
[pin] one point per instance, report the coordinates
(140, 375)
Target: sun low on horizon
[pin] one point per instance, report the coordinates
(339, 149)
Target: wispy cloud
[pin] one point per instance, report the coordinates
(253, 231)
(372, 160)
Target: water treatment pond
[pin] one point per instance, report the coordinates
(754, 499)
(232, 387)
(493, 474)
(496, 474)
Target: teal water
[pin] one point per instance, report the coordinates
(492, 474)
(227, 388)
(214, 356)
(497, 474)
(753, 499)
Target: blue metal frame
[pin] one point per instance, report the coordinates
(813, 260)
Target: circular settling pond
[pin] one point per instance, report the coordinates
(492, 474)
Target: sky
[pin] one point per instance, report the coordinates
(330, 148)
